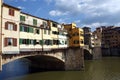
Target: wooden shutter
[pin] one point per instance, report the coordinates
(15, 27)
(9, 11)
(14, 42)
(5, 42)
(6, 25)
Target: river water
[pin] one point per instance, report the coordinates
(108, 68)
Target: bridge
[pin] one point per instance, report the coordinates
(72, 58)
(92, 52)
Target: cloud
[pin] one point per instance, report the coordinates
(57, 13)
(20, 7)
(89, 12)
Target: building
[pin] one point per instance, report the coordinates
(75, 34)
(69, 28)
(0, 26)
(111, 37)
(10, 29)
(88, 37)
(77, 37)
(97, 34)
(63, 39)
(31, 33)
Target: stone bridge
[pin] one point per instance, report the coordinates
(73, 58)
(92, 53)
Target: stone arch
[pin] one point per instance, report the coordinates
(9, 58)
(87, 55)
(46, 62)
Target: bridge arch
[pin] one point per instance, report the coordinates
(11, 57)
(40, 61)
(87, 55)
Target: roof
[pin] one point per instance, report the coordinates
(33, 16)
(7, 5)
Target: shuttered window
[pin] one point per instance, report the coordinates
(10, 42)
(11, 12)
(41, 42)
(22, 18)
(34, 22)
(10, 26)
(31, 30)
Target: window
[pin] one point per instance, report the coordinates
(24, 28)
(55, 42)
(54, 24)
(45, 24)
(22, 18)
(10, 26)
(76, 42)
(37, 31)
(48, 42)
(41, 42)
(10, 42)
(34, 22)
(31, 30)
(11, 12)
(31, 41)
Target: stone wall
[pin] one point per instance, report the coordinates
(97, 54)
(111, 51)
(74, 59)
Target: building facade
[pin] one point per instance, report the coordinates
(63, 39)
(111, 37)
(75, 35)
(10, 29)
(1, 26)
(97, 34)
(88, 37)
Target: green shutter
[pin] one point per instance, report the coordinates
(20, 41)
(22, 18)
(34, 22)
(20, 27)
(31, 30)
(41, 42)
(27, 41)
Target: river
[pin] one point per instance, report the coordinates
(108, 68)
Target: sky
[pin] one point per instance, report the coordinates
(90, 13)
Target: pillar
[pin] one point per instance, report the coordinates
(97, 54)
(74, 59)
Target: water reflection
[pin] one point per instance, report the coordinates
(105, 69)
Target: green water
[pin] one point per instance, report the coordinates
(105, 69)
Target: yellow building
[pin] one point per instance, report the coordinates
(75, 34)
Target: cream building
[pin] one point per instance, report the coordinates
(62, 37)
(10, 29)
(54, 35)
(46, 33)
(30, 33)
(0, 26)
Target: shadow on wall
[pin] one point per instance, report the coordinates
(45, 63)
(87, 55)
